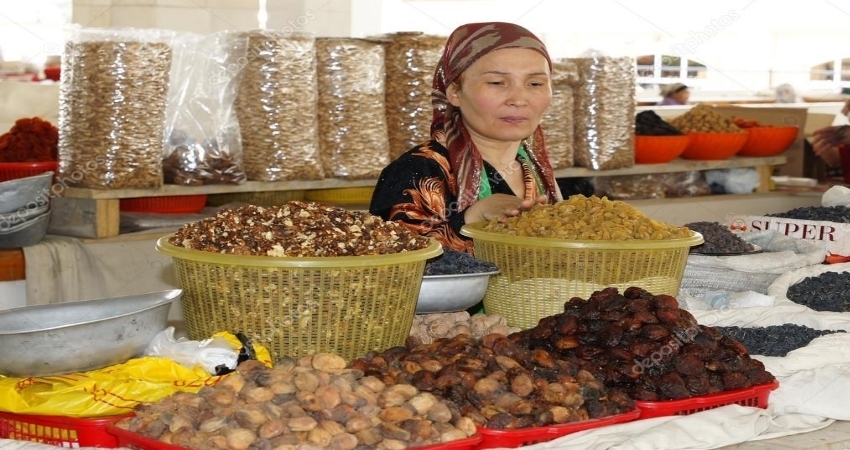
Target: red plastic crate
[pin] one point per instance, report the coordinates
(527, 436)
(136, 441)
(68, 432)
(172, 204)
(752, 396)
(13, 171)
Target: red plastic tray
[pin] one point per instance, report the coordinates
(60, 431)
(13, 171)
(138, 442)
(173, 204)
(752, 396)
(527, 436)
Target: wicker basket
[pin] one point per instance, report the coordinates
(538, 275)
(264, 198)
(341, 196)
(346, 305)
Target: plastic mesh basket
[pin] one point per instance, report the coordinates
(265, 198)
(538, 275)
(346, 305)
(755, 396)
(13, 171)
(68, 432)
(345, 196)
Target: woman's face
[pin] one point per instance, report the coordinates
(503, 94)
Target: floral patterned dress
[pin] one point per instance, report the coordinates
(420, 190)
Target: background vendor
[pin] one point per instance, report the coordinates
(675, 94)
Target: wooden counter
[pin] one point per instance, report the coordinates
(12, 265)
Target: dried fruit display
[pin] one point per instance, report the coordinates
(838, 213)
(704, 119)
(315, 402)
(718, 239)
(587, 218)
(644, 346)
(649, 123)
(297, 228)
(497, 383)
(429, 327)
(452, 262)
(774, 340)
(30, 140)
(825, 292)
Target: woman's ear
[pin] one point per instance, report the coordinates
(453, 94)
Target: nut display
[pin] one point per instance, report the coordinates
(196, 164)
(718, 240)
(311, 403)
(297, 228)
(704, 119)
(587, 218)
(112, 109)
(276, 105)
(497, 383)
(645, 346)
(429, 327)
(410, 61)
(604, 110)
(352, 120)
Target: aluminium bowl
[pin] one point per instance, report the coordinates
(452, 292)
(73, 337)
(26, 233)
(29, 192)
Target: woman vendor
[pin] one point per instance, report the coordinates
(486, 158)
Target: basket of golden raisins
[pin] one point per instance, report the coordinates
(572, 248)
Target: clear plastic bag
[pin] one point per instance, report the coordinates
(276, 104)
(112, 106)
(353, 137)
(203, 144)
(604, 112)
(411, 58)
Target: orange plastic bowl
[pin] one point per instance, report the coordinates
(714, 146)
(659, 149)
(15, 170)
(769, 141)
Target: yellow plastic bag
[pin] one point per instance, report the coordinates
(110, 391)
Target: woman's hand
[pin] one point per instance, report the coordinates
(500, 206)
(825, 142)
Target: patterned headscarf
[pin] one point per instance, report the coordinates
(465, 45)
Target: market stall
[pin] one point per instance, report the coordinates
(595, 326)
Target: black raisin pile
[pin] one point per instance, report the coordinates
(829, 291)
(453, 262)
(718, 239)
(840, 214)
(774, 340)
(648, 123)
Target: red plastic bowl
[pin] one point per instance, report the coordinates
(13, 171)
(172, 204)
(755, 396)
(769, 141)
(714, 146)
(659, 149)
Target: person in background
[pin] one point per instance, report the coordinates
(827, 142)
(675, 94)
(785, 93)
(486, 158)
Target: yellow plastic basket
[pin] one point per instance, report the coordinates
(539, 275)
(294, 306)
(264, 198)
(344, 196)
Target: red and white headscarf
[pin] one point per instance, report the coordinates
(464, 46)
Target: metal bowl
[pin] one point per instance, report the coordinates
(25, 193)
(454, 292)
(80, 336)
(24, 234)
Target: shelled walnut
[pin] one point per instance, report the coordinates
(429, 327)
(314, 402)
